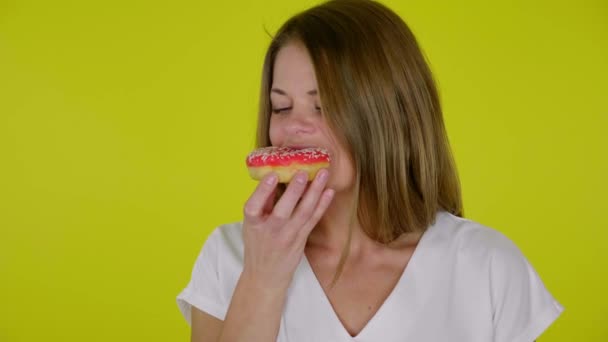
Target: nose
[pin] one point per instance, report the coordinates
(299, 123)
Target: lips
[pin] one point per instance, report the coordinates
(301, 147)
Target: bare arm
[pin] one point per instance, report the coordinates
(252, 312)
(205, 328)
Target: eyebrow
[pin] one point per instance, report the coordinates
(282, 92)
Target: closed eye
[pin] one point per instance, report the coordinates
(280, 110)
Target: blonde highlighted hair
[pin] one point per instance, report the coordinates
(380, 99)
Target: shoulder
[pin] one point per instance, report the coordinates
(467, 237)
(221, 259)
(228, 233)
(215, 272)
(483, 253)
(227, 240)
(521, 306)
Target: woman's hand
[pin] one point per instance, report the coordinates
(275, 237)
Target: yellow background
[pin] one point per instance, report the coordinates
(124, 126)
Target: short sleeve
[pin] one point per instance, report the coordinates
(203, 290)
(522, 307)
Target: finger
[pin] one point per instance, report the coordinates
(288, 201)
(318, 213)
(311, 197)
(256, 203)
(270, 202)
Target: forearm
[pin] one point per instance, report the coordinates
(254, 313)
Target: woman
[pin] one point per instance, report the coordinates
(374, 248)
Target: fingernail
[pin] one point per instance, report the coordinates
(323, 175)
(271, 180)
(302, 178)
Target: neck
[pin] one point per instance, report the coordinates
(331, 233)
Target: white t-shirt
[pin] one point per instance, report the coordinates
(464, 283)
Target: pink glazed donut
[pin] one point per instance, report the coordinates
(286, 161)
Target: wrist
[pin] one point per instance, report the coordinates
(263, 286)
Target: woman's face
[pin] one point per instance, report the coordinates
(297, 118)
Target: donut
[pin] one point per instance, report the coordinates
(286, 161)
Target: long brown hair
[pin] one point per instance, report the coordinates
(380, 99)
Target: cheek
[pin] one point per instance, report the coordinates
(274, 133)
(343, 174)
